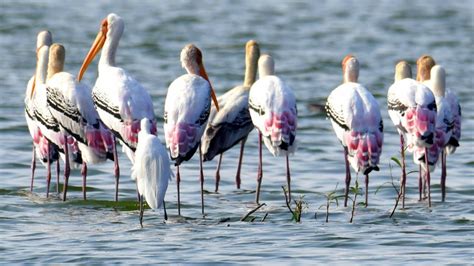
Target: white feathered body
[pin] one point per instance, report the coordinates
(412, 109)
(187, 107)
(121, 102)
(41, 143)
(151, 169)
(70, 102)
(357, 122)
(272, 107)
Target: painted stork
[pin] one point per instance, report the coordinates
(412, 109)
(272, 106)
(232, 123)
(357, 122)
(187, 107)
(45, 150)
(121, 101)
(70, 103)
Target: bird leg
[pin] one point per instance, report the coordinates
(348, 177)
(84, 175)
(403, 180)
(57, 175)
(48, 175)
(201, 178)
(239, 166)
(141, 210)
(443, 175)
(288, 178)
(366, 190)
(260, 170)
(420, 182)
(178, 180)
(67, 168)
(164, 211)
(33, 167)
(218, 175)
(116, 167)
(428, 181)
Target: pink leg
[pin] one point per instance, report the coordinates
(218, 175)
(288, 178)
(57, 175)
(201, 177)
(33, 167)
(403, 180)
(443, 175)
(178, 181)
(116, 168)
(239, 166)
(420, 182)
(67, 168)
(260, 170)
(366, 190)
(84, 176)
(428, 181)
(348, 176)
(48, 177)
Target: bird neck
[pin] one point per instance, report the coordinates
(351, 74)
(42, 65)
(402, 71)
(251, 61)
(109, 50)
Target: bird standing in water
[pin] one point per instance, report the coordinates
(272, 106)
(412, 109)
(357, 122)
(151, 169)
(232, 123)
(187, 107)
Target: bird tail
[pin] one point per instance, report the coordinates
(182, 140)
(433, 151)
(420, 124)
(280, 133)
(364, 149)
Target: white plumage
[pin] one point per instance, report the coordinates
(272, 107)
(357, 122)
(152, 167)
(187, 107)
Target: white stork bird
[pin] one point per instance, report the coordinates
(357, 122)
(272, 107)
(49, 126)
(412, 109)
(151, 169)
(187, 107)
(46, 151)
(444, 128)
(70, 103)
(119, 99)
(232, 123)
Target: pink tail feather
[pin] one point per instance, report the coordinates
(364, 149)
(420, 123)
(181, 138)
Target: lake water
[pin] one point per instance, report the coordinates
(308, 40)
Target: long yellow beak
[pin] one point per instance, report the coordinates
(95, 48)
(203, 73)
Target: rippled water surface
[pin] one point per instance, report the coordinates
(308, 41)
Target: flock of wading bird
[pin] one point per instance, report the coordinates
(68, 119)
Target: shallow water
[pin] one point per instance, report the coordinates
(307, 40)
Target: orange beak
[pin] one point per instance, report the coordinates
(202, 73)
(95, 48)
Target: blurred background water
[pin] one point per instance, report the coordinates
(308, 39)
